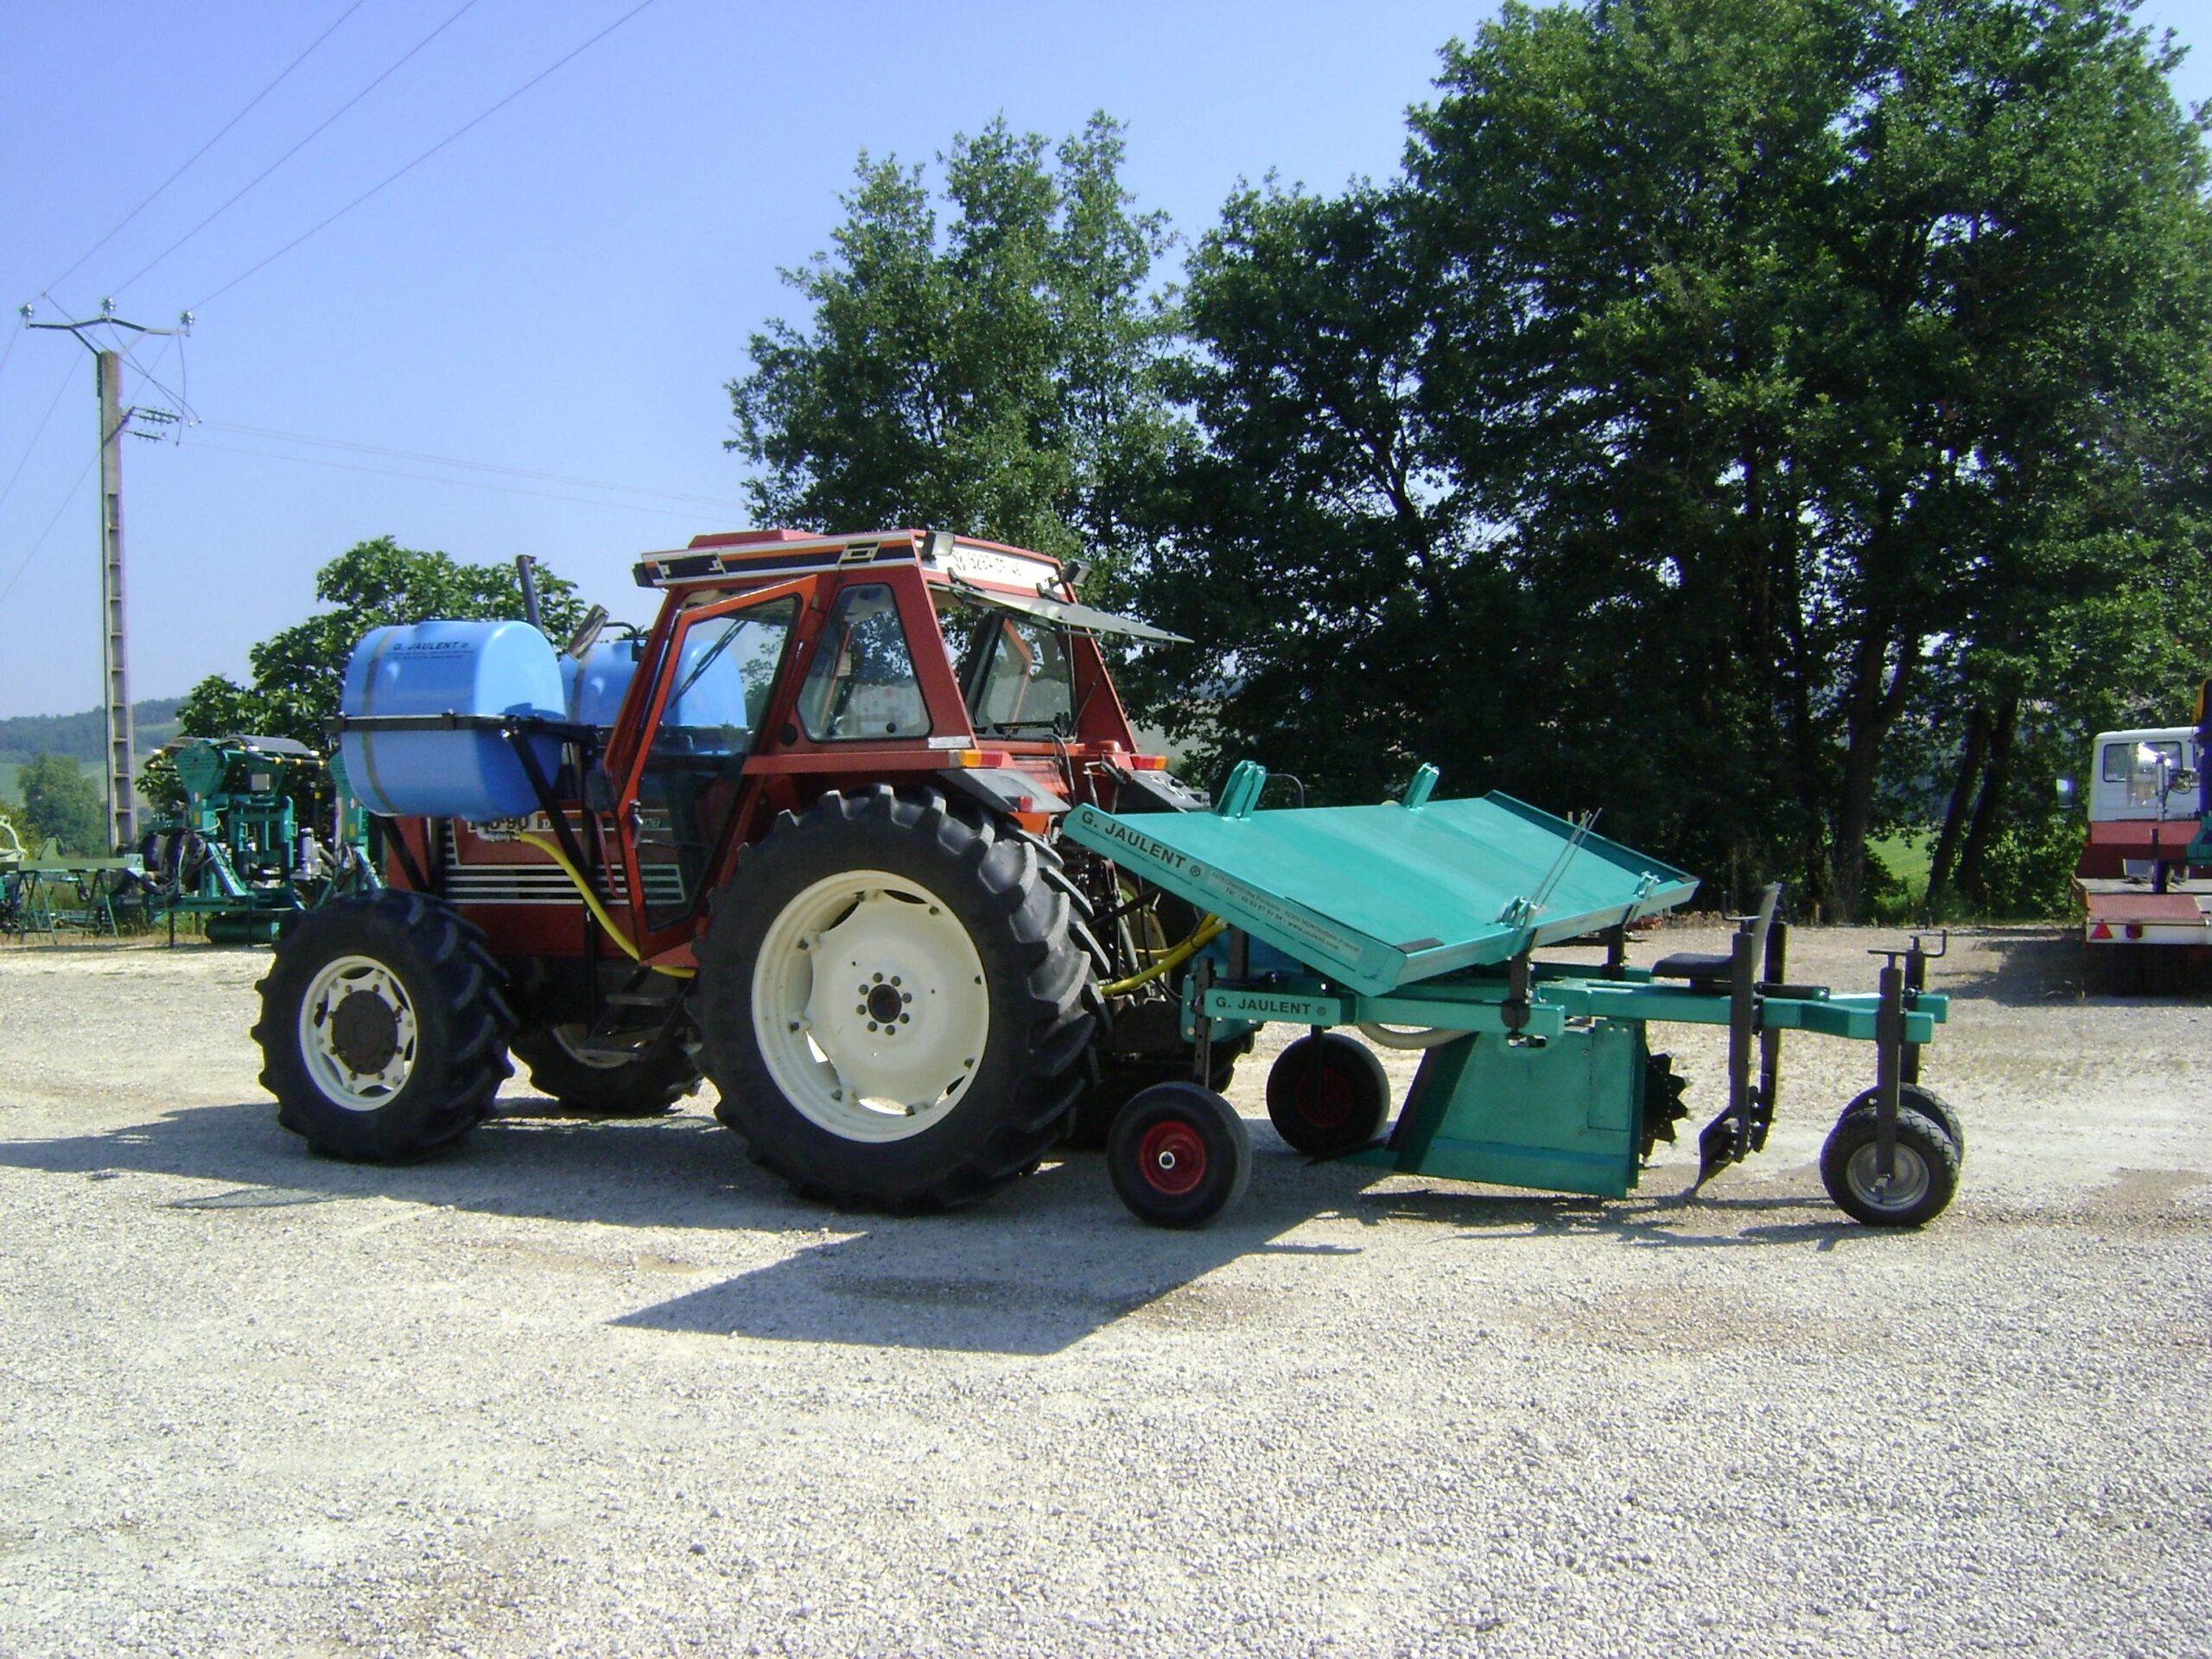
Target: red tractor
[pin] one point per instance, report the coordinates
(798, 837)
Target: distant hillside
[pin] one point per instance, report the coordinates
(82, 737)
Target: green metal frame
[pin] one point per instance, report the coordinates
(1426, 913)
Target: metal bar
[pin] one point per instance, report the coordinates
(1771, 972)
(1889, 1055)
(1916, 982)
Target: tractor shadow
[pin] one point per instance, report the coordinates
(1040, 1266)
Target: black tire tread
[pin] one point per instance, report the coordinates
(1928, 1139)
(460, 978)
(1005, 873)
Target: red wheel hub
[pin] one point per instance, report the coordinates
(1325, 1097)
(1173, 1157)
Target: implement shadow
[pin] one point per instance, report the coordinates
(1672, 1221)
(1038, 1267)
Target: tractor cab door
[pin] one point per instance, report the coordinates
(678, 767)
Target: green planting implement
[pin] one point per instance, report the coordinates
(1419, 922)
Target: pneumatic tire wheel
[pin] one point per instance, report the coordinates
(383, 1028)
(1180, 1155)
(1924, 1178)
(892, 1003)
(646, 1085)
(1327, 1095)
(1930, 1105)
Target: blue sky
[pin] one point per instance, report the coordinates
(563, 289)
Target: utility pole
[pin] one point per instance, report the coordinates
(114, 656)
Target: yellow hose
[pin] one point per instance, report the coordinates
(551, 849)
(1209, 930)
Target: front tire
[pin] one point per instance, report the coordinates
(891, 1000)
(383, 1028)
(1180, 1156)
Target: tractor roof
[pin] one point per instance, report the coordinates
(1012, 578)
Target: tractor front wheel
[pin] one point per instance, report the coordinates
(891, 1000)
(383, 1028)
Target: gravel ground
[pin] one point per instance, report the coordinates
(602, 1388)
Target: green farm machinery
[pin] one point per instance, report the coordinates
(237, 853)
(1430, 915)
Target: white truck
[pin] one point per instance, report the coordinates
(2144, 902)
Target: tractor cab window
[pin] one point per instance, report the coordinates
(725, 669)
(1015, 670)
(861, 684)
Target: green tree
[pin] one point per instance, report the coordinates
(298, 672)
(996, 373)
(1772, 382)
(60, 800)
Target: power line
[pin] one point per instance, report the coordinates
(394, 178)
(202, 151)
(67, 501)
(297, 149)
(52, 404)
(470, 466)
(432, 478)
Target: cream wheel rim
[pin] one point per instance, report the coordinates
(870, 1005)
(357, 1033)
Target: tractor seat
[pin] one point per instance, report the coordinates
(1710, 970)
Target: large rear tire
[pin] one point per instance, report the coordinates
(646, 1085)
(383, 1029)
(890, 1001)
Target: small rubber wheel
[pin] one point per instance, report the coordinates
(644, 1085)
(1328, 1094)
(1180, 1155)
(1930, 1105)
(1926, 1172)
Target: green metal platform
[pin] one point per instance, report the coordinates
(1378, 897)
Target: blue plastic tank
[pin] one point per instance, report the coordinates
(467, 668)
(599, 681)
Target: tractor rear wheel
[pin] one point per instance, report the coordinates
(891, 1002)
(644, 1085)
(383, 1030)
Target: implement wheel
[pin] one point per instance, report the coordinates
(383, 1028)
(1926, 1172)
(891, 1003)
(1328, 1094)
(1180, 1155)
(646, 1085)
(1913, 1097)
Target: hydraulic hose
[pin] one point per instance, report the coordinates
(1208, 930)
(1435, 1037)
(551, 849)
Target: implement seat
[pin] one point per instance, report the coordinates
(1710, 970)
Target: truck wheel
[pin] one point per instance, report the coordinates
(1927, 1169)
(646, 1085)
(891, 1003)
(1180, 1155)
(1328, 1094)
(383, 1028)
(1930, 1105)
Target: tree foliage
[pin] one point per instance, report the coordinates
(1771, 419)
(298, 672)
(993, 371)
(60, 801)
